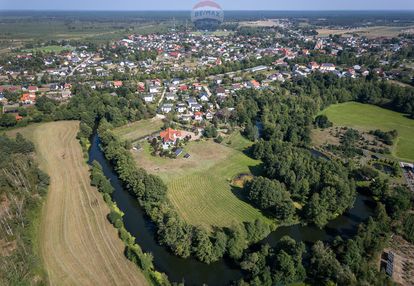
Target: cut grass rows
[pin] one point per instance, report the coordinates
(200, 187)
(78, 244)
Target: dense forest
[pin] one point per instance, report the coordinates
(22, 189)
(323, 187)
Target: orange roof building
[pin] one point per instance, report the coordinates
(170, 135)
(118, 83)
(28, 98)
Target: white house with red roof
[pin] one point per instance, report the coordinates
(169, 137)
(198, 116)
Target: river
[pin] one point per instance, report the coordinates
(193, 272)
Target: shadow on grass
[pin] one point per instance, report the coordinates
(257, 170)
(240, 194)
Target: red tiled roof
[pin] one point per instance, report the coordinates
(170, 135)
(255, 83)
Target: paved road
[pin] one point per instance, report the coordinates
(75, 68)
(162, 97)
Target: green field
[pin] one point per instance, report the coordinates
(369, 117)
(48, 49)
(200, 187)
(139, 129)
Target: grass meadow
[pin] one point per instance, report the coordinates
(200, 187)
(369, 117)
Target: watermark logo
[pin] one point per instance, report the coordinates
(207, 15)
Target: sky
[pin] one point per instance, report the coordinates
(225, 4)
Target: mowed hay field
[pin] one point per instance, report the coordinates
(200, 187)
(369, 117)
(77, 243)
(137, 130)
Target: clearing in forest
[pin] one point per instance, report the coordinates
(367, 117)
(77, 243)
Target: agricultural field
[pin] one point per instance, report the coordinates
(367, 117)
(16, 32)
(369, 32)
(136, 130)
(77, 243)
(201, 187)
(48, 49)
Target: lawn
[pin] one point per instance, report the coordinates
(369, 117)
(139, 129)
(200, 188)
(77, 243)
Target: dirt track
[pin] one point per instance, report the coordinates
(78, 245)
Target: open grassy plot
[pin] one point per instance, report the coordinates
(369, 117)
(369, 32)
(78, 245)
(139, 129)
(237, 141)
(49, 49)
(200, 187)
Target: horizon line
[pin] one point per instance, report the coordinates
(230, 10)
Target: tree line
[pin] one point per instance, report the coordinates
(23, 187)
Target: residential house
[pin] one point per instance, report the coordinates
(209, 116)
(148, 98)
(195, 107)
(170, 96)
(32, 89)
(327, 67)
(313, 65)
(153, 89)
(28, 98)
(203, 97)
(237, 86)
(167, 107)
(141, 87)
(197, 86)
(118, 84)
(181, 108)
(169, 137)
(198, 116)
(221, 92)
(175, 81)
(254, 84)
(186, 117)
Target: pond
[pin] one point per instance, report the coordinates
(193, 272)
